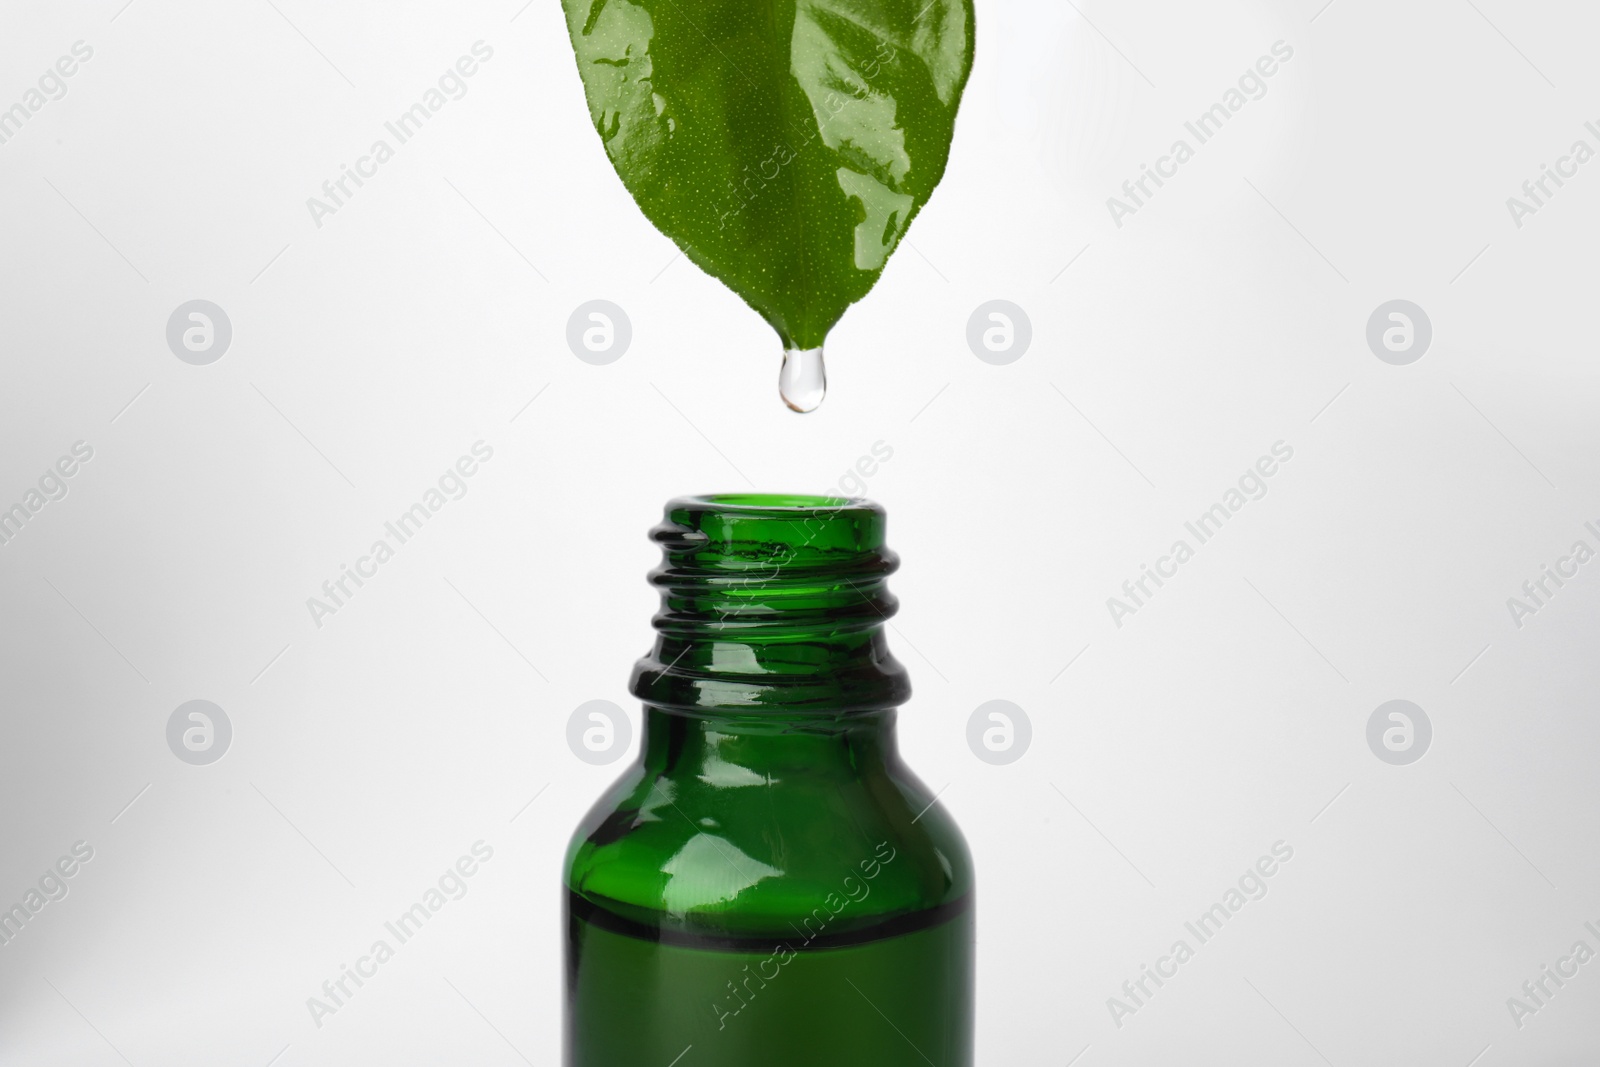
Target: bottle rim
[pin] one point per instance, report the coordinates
(763, 503)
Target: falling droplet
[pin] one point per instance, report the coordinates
(803, 382)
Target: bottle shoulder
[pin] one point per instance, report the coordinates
(749, 854)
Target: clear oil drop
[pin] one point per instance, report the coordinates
(803, 381)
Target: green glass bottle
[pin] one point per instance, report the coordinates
(769, 884)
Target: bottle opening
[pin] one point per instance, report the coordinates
(779, 501)
(778, 533)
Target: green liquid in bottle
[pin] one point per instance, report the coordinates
(770, 884)
(896, 999)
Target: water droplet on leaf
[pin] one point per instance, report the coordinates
(803, 382)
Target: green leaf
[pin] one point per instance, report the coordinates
(784, 145)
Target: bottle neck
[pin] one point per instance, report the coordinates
(737, 749)
(772, 605)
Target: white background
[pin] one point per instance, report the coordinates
(1229, 713)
